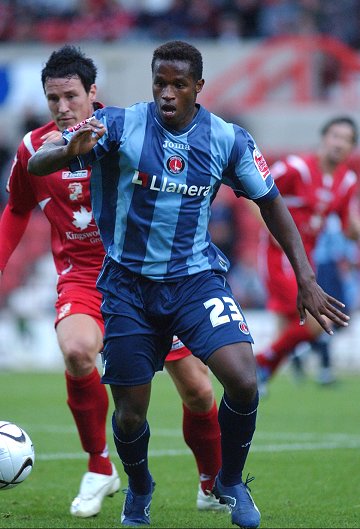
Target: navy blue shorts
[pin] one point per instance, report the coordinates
(142, 316)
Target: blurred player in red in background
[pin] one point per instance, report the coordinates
(68, 80)
(313, 187)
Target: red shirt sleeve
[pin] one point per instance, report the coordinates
(12, 228)
(17, 212)
(21, 195)
(285, 176)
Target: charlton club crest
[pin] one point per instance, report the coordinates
(175, 164)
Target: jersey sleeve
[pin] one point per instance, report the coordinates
(21, 196)
(12, 228)
(21, 202)
(248, 173)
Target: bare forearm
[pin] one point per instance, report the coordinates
(50, 158)
(54, 156)
(282, 226)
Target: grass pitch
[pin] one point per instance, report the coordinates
(305, 457)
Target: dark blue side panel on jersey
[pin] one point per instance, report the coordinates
(229, 176)
(198, 174)
(104, 192)
(143, 201)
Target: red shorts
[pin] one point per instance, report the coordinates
(177, 351)
(78, 299)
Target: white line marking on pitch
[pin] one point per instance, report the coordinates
(343, 442)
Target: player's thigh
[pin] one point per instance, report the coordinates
(209, 317)
(132, 358)
(234, 366)
(134, 349)
(79, 334)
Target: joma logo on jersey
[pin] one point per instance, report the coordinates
(164, 185)
(174, 145)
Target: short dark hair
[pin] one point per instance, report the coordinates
(177, 50)
(340, 120)
(70, 61)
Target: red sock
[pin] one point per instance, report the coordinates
(88, 401)
(202, 435)
(284, 345)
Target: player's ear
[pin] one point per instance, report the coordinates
(199, 85)
(92, 93)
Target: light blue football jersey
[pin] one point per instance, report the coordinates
(152, 187)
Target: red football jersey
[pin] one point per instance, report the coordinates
(64, 198)
(310, 196)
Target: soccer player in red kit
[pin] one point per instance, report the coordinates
(68, 80)
(313, 186)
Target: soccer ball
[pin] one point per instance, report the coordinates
(17, 455)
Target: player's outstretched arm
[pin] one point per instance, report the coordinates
(311, 296)
(52, 156)
(12, 228)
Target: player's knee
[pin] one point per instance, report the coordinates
(129, 421)
(200, 398)
(79, 356)
(243, 389)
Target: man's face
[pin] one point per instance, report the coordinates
(68, 101)
(175, 92)
(338, 143)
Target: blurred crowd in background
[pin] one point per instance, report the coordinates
(225, 20)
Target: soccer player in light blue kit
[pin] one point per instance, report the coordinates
(156, 167)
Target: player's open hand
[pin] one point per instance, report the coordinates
(53, 155)
(85, 136)
(323, 307)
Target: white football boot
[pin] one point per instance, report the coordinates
(208, 502)
(93, 489)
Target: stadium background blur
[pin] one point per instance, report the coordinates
(278, 67)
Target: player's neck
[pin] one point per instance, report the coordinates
(327, 166)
